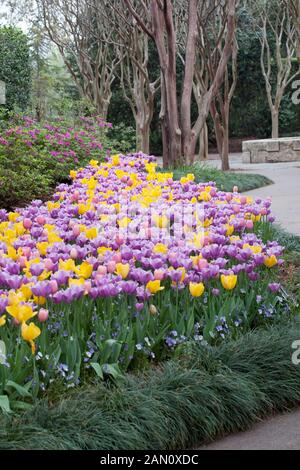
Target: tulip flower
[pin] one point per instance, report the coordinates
(43, 315)
(270, 261)
(196, 289)
(21, 313)
(229, 282)
(30, 333)
(154, 286)
(122, 270)
(2, 320)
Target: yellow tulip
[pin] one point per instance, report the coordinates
(42, 247)
(84, 270)
(270, 261)
(26, 291)
(160, 248)
(123, 223)
(91, 233)
(122, 270)
(229, 229)
(21, 313)
(73, 174)
(154, 287)
(229, 282)
(12, 216)
(161, 221)
(2, 320)
(68, 265)
(115, 160)
(30, 333)
(196, 289)
(15, 298)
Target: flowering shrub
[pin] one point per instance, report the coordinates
(35, 158)
(123, 266)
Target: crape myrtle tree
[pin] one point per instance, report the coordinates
(294, 10)
(138, 86)
(277, 35)
(211, 40)
(83, 34)
(180, 135)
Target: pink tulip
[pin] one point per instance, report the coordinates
(117, 257)
(54, 286)
(22, 261)
(243, 200)
(111, 267)
(41, 220)
(76, 230)
(26, 250)
(249, 224)
(43, 315)
(27, 224)
(49, 265)
(119, 239)
(75, 196)
(159, 274)
(74, 253)
(102, 270)
(202, 263)
(87, 286)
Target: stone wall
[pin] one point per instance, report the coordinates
(272, 150)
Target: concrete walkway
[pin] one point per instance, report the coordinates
(281, 432)
(285, 192)
(278, 433)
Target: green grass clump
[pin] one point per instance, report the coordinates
(225, 181)
(205, 393)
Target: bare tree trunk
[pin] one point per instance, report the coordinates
(143, 137)
(203, 143)
(275, 123)
(225, 143)
(188, 136)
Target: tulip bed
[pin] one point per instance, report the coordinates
(123, 266)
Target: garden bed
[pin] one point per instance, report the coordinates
(95, 314)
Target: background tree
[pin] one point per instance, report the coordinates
(83, 35)
(294, 10)
(275, 26)
(15, 67)
(211, 44)
(179, 134)
(138, 87)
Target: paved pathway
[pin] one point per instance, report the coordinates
(285, 192)
(281, 432)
